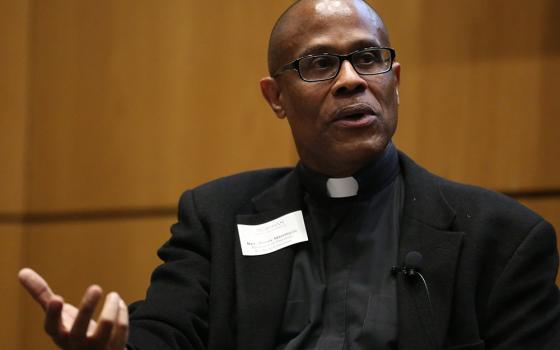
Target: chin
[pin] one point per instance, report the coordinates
(352, 158)
(366, 150)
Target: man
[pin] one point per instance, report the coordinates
(355, 248)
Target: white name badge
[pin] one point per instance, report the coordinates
(273, 235)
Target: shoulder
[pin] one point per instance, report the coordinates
(250, 181)
(474, 201)
(497, 231)
(477, 210)
(234, 190)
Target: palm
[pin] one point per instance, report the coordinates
(68, 316)
(73, 328)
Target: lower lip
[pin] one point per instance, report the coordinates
(365, 120)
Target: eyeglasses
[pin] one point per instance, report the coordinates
(368, 61)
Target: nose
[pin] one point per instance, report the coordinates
(348, 81)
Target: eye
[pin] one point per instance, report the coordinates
(321, 62)
(318, 63)
(368, 58)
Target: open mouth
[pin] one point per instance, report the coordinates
(356, 120)
(355, 116)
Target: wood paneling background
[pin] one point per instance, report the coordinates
(133, 101)
(11, 310)
(14, 21)
(111, 108)
(479, 98)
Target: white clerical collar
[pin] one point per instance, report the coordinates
(342, 187)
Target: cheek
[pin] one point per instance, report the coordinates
(390, 111)
(385, 91)
(304, 105)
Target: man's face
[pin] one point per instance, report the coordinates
(341, 124)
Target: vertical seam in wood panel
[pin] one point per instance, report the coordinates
(27, 98)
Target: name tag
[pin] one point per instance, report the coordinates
(273, 235)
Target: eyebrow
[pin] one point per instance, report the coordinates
(325, 48)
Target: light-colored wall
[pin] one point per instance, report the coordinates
(111, 108)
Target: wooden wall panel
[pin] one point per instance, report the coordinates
(478, 89)
(118, 255)
(13, 72)
(11, 317)
(133, 101)
(14, 21)
(130, 106)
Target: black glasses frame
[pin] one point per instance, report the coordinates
(294, 65)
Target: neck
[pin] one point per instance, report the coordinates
(371, 176)
(336, 169)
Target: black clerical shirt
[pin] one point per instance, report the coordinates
(342, 295)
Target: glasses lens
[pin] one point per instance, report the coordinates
(372, 61)
(318, 67)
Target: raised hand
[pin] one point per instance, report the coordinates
(72, 328)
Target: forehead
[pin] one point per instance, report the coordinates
(336, 26)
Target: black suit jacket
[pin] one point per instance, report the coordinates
(489, 263)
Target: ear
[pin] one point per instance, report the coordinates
(396, 68)
(271, 93)
(397, 74)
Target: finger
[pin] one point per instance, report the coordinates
(87, 308)
(120, 331)
(107, 320)
(53, 318)
(36, 286)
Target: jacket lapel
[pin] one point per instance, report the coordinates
(263, 281)
(426, 228)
